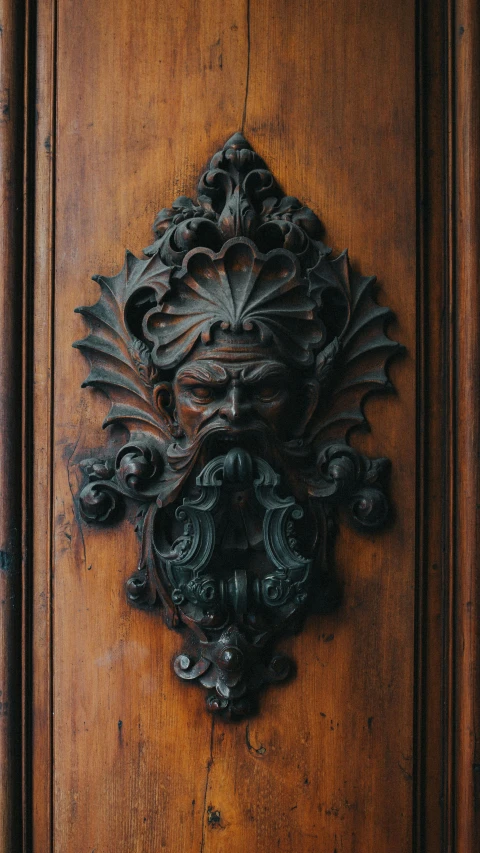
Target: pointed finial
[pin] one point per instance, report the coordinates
(237, 141)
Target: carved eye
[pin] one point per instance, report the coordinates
(266, 392)
(203, 393)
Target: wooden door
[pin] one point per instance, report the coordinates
(368, 113)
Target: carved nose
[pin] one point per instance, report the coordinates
(235, 406)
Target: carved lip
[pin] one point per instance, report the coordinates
(248, 438)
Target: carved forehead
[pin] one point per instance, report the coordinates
(214, 372)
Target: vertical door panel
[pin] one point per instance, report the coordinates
(145, 94)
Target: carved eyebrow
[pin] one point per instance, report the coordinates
(265, 371)
(204, 373)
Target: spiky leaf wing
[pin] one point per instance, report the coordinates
(364, 347)
(120, 364)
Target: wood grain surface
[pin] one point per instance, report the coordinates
(143, 100)
(349, 104)
(11, 447)
(40, 804)
(466, 226)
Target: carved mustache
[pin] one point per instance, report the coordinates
(180, 456)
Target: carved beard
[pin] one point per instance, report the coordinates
(288, 457)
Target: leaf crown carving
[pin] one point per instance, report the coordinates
(246, 262)
(237, 197)
(240, 291)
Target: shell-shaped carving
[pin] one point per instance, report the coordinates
(252, 297)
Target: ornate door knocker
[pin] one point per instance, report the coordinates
(236, 356)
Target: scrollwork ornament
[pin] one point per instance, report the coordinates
(236, 356)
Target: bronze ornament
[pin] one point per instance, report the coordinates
(237, 356)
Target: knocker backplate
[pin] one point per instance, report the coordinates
(236, 355)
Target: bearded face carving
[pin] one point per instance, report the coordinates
(237, 329)
(237, 356)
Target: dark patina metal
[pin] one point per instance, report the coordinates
(237, 355)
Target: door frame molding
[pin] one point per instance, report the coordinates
(447, 639)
